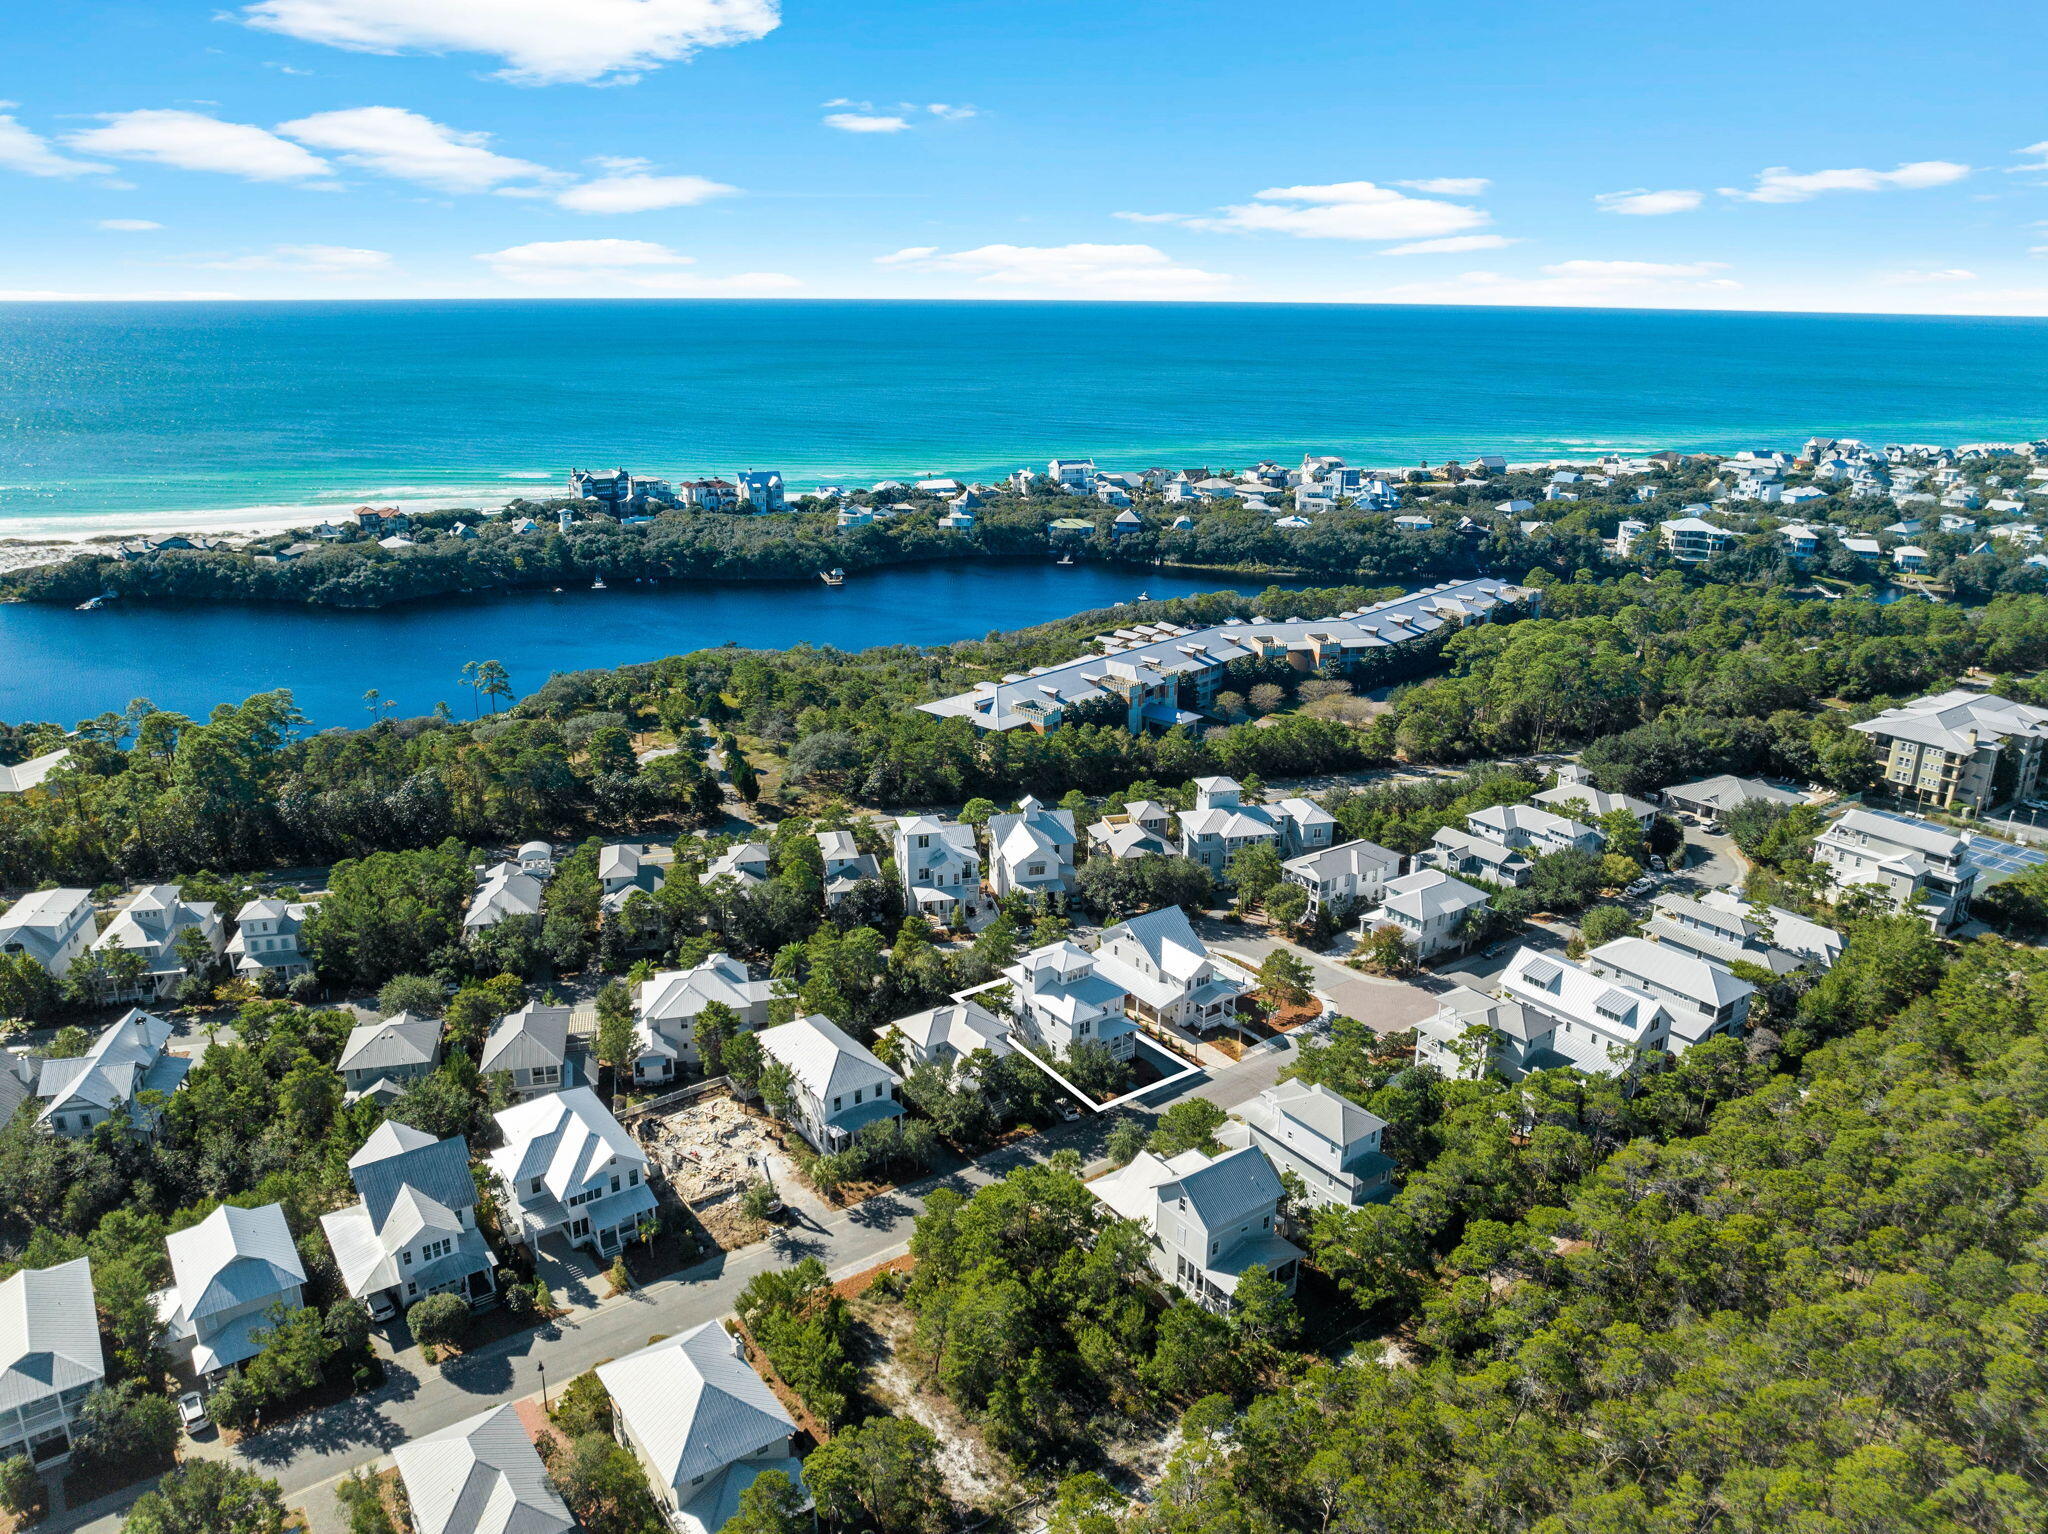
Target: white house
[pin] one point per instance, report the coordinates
(536, 858)
(530, 1050)
(940, 868)
(1702, 996)
(1459, 852)
(845, 865)
(1693, 540)
(667, 1006)
(1535, 831)
(23, 776)
(1325, 1139)
(1208, 1219)
(1428, 906)
(413, 1232)
(701, 1422)
(481, 1475)
(1031, 851)
(1726, 932)
(1510, 1039)
(1808, 940)
(1144, 828)
(1060, 999)
(1595, 1023)
(1575, 797)
(745, 863)
(50, 1358)
(1340, 877)
(570, 1169)
(623, 870)
(266, 939)
(53, 927)
(950, 1034)
(150, 923)
(506, 890)
(228, 1273)
(1710, 799)
(839, 1085)
(1221, 824)
(128, 1059)
(1167, 972)
(380, 1057)
(1918, 864)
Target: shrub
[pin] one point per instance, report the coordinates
(438, 1320)
(21, 1489)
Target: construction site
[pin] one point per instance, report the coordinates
(711, 1148)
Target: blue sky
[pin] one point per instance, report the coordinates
(1794, 155)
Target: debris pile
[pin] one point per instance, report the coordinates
(708, 1148)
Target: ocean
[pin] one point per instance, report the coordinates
(119, 416)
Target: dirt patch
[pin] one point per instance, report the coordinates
(731, 1227)
(709, 1148)
(850, 1289)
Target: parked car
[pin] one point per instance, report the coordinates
(192, 1412)
(380, 1307)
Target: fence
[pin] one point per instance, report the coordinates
(677, 1098)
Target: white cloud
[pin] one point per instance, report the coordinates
(543, 42)
(1449, 186)
(1345, 210)
(571, 267)
(2038, 151)
(1915, 279)
(31, 154)
(129, 225)
(950, 113)
(865, 122)
(1450, 245)
(194, 141)
(318, 260)
(1101, 271)
(394, 142)
(1644, 203)
(637, 192)
(1153, 218)
(1779, 184)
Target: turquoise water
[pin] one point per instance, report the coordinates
(60, 664)
(119, 415)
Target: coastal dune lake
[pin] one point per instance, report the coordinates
(60, 664)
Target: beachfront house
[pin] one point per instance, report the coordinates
(150, 923)
(1918, 865)
(940, 867)
(228, 1274)
(845, 865)
(52, 927)
(505, 891)
(1428, 907)
(528, 1051)
(701, 1422)
(266, 940)
(1031, 851)
(381, 1057)
(1060, 999)
(571, 1170)
(50, 1358)
(666, 1007)
(412, 1231)
(838, 1085)
(1325, 1139)
(129, 1058)
(759, 489)
(1207, 1219)
(481, 1475)
(1339, 878)
(1167, 973)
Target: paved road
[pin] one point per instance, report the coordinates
(305, 1455)
(1387, 1006)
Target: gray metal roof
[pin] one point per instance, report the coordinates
(694, 1404)
(481, 1476)
(231, 1257)
(397, 1041)
(49, 1333)
(1226, 1189)
(535, 1035)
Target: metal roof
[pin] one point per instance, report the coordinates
(480, 1476)
(693, 1404)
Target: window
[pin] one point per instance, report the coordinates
(837, 1103)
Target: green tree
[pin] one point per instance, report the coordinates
(1252, 872)
(438, 1320)
(771, 1504)
(1261, 1309)
(1387, 950)
(616, 1040)
(584, 1406)
(883, 1472)
(1285, 978)
(604, 1487)
(421, 995)
(21, 1489)
(208, 1496)
(127, 1423)
(1190, 1124)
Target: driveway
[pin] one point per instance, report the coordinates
(1386, 1006)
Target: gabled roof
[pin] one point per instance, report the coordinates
(1429, 892)
(1354, 858)
(231, 1257)
(964, 1026)
(693, 1404)
(398, 1041)
(533, 1036)
(36, 921)
(49, 1334)
(1166, 937)
(126, 1059)
(1700, 981)
(683, 993)
(822, 1056)
(438, 1171)
(481, 1476)
(561, 1138)
(506, 890)
(1314, 1106)
(1223, 1190)
(23, 776)
(1725, 791)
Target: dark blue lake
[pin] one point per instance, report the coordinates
(57, 663)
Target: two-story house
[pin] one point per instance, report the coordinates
(667, 1006)
(481, 1475)
(266, 939)
(1221, 825)
(701, 1422)
(1920, 866)
(1471, 1033)
(948, 1035)
(1206, 1219)
(150, 923)
(1031, 851)
(506, 891)
(1167, 973)
(1575, 798)
(568, 1167)
(228, 1273)
(1342, 877)
(53, 927)
(50, 1358)
(837, 1083)
(414, 1231)
(625, 869)
(1428, 907)
(1596, 1023)
(529, 1051)
(380, 1058)
(940, 868)
(747, 864)
(1142, 829)
(1702, 997)
(129, 1059)
(846, 866)
(1325, 1139)
(1059, 1000)
(1535, 831)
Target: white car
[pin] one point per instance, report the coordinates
(192, 1412)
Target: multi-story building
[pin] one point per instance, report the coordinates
(1143, 829)
(1701, 996)
(569, 1167)
(266, 939)
(480, 1476)
(150, 923)
(1721, 927)
(950, 1034)
(381, 1057)
(940, 867)
(1576, 798)
(1568, 1015)
(1222, 825)
(1166, 972)
(506, 891)
(228, 1273)
(1206, 1219)
(528, 1051)
(760, 489)
(50, 1358)
(1060, 999)
(667, 1006)
(1960, 750)
(1922, 867)
(413, 1232)
(1693, 540)
(1341, 877)
(1031, 851)
(845, 865)
(839, 1085)
(53, 927)
(1428, 907)
(129, 1058)
(1535, 831)
(1325, 1139)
